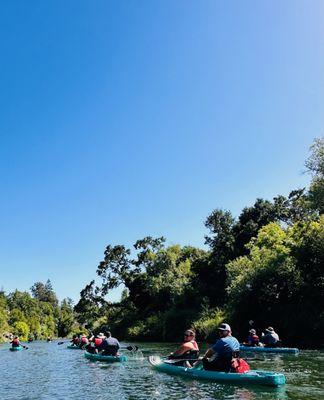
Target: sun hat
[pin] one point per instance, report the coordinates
(101, 335)
(224, 327)
(270, 329)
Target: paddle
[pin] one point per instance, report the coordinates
(175, 360)
(25, 347)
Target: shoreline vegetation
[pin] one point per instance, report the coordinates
(263, 268)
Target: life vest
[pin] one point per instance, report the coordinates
(190, 354)
(84, 340)
(240, 366)
(97, 342)
(15, 343)
(76, 341)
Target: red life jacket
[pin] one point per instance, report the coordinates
(15, 342)
(97, 342)
(240, 366)
(84, 340)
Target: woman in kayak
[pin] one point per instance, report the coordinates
(15, 342)
(271, 338)
(84, 341)
(95, 343)
(253, 339)
(188, 350)
(220, 356)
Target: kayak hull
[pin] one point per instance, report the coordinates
(18, 348)
(71, 347)
(109, 359)
(255, 377)
(286, 350)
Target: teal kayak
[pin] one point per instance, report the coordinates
(99, 357)
(18, 348)
(255, 377)
(289, 350)
(71, 346)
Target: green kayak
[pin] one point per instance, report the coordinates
(255, 377)
(110, 359)
(17, 348)
(72, 347)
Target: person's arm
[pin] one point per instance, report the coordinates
(209, 353)
(181, 350)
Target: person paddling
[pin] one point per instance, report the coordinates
(219, 357)
(271, 338)
(95, 342)
(109, 346)
(84, 341)
(188, 349)
(253, 339)
(15, 342)
(75, 340)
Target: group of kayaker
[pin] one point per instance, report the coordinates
(224, 354)
(104, 344)
(269, 339)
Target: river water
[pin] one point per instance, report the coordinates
(48, 371)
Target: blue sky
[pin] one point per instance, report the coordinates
(121, 119)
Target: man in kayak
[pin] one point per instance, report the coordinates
(219, 357)
(109, 346)
(15, 342)
(95, 343)
(75, 340)
(188, 350)
(271, 338)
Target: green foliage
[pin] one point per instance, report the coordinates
(208, 321)
(21, 329)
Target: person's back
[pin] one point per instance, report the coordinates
(271, 338)
(109, 346)
(15, 342)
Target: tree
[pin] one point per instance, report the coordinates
(315, 166)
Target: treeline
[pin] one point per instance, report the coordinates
(35, 315)
(265, 266)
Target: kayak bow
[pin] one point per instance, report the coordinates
(255, 377)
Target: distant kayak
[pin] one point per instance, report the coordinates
(110, 359)
(290, 350)
(255, 377)
(18, 348)
(71, 346)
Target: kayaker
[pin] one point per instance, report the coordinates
(253, 339)
(75, 340)
(219, 357)
(15, 342)
(271, 338)
(188, 350)
(84, 341)
(109, 345)
(95, 342)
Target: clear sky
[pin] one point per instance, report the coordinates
(121, 119)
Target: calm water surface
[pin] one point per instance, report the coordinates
(48, 371)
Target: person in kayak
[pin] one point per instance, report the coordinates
(188, 350)
(109, 345)
(95, 342)
(84, 341)
(15, 342)
(219, 357)
(75, 340)
(271, 338)
(253, 339)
